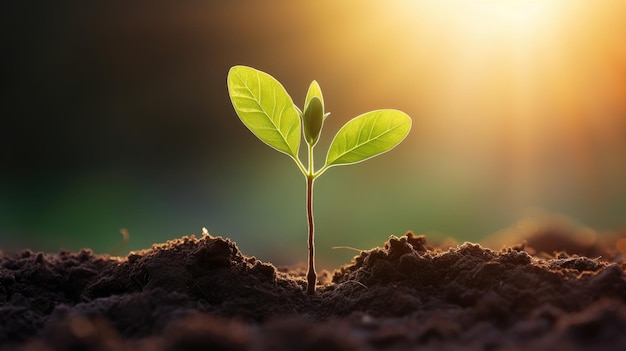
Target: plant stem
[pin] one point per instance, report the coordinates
(311, 276)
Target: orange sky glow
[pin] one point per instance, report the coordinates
(539, 87)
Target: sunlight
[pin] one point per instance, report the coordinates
(514, 14)
(499, 15)
(512, 22)
(532, 89)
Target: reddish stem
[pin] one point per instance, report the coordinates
(311, 276)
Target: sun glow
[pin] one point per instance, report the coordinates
(483, 19)
(523, 14)
(533, 89)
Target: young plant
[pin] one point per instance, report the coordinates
(265, 107)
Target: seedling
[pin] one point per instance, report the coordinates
(265, 107)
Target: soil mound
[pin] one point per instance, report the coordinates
(203, 293)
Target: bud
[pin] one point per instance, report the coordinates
(312, 120)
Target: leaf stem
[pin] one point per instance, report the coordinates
(300, 165)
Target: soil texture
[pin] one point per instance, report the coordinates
(204, 294)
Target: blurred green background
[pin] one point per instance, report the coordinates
(116, 115)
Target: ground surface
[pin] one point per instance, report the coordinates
(204, 294)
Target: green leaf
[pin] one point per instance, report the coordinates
(368, 135)
(265, 107)
(312, 120)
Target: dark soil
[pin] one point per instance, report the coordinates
(204, 294)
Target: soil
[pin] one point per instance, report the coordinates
(204, 294)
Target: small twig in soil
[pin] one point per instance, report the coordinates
(355, 282)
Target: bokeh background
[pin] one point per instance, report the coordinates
(116, 115)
